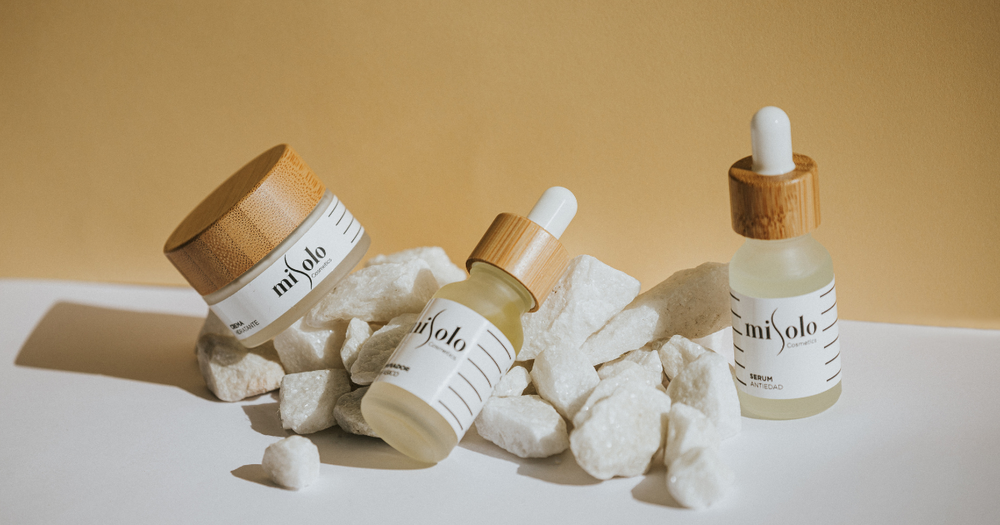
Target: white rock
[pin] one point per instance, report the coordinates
(234, 372)
(564, 378)
(292, 463)
(304, 349)
(699, 478)
(587, 294)
(525, 426)
(513, 383)
(688, 429)
(377, 350)
(347, 412)
(307, 399)
(377, 294)
(692, 302)
(646, 359)
(631, 378)
(440, 264)
(358, 332)
(213, 325)
(720, 342)
(676, 353)
(707, 385)
(622, 434)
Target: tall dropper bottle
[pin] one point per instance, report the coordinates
(441, 374)
(783, 295)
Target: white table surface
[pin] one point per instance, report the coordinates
(105, 419)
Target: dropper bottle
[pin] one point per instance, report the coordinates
(441, 374)
(782, 289)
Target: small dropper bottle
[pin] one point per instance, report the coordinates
(783, 296)
(441, 374)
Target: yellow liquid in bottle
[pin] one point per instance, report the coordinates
(407, 423)
(777, 269)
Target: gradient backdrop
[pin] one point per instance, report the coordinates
(429, 118)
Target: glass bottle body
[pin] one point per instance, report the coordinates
(781, 269)
(408, 423)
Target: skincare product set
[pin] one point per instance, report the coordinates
(537, 351)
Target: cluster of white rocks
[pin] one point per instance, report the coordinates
(606, 372)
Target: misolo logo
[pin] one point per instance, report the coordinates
(443, 335)
(787, 335)
(313, 257)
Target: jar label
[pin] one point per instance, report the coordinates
(786, 348)
(287, 281)
(451, 360)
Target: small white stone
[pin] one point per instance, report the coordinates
(307, 399)
(348, 414)
(688, 429)
(513, 382)
(377, 294)
(292, 463)
(234, 372)
(622, 433)
(358, 332)
(525, 426)
(720, 342)
(699, 478)
(646, 359)
(707, 385)
(564, 377)
(692, 302)
(440, 264)
(304, 349)
(378, 348)
(676, 353)
(631, 378)
(587, 294)
(214, 325)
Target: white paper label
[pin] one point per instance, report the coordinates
(451, 360)
(786, 348)
(281, 286)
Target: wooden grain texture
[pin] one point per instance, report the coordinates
(524, 250)
(244, 219)
(771, 207)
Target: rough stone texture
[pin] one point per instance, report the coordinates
(234, 372)
(377, 350)
(692, 303)
(304, 349)
(646, 359)
(688, 429)
(358, 332)
(292, 463)
(440, 264)
(699, 478)
(632, 379)
(564, 378)
(707, 385)
(513, 383)
(525, 426)
(307, 399)
(622, 434)
(214, 326)
(676, 353)
(376, 294)
(587, 294)
(347, 412)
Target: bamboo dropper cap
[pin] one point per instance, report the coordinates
(773, 194)
(528, 248)
(244, 219)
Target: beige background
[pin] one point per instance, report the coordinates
(429, 118)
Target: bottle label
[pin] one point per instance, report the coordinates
(786, 348)
(281, 286)
(451, 360)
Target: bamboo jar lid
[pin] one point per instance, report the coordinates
(526, 251)
(244, 219)
(771, 207)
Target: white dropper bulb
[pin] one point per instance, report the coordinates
(554, 210)
(771, 142)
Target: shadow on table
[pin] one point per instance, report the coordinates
(142, 346)
(561, 469)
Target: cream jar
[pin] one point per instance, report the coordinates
(267, 245)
